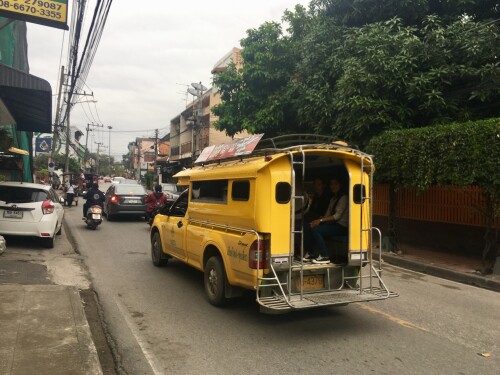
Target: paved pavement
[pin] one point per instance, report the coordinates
(459, 268)
(44, 328)
(44, 331)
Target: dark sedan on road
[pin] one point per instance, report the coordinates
(125, 200)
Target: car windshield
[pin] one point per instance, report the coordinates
(130, 182)
(129, 189)
(18, 194)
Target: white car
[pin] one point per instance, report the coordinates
(28, 209)
(117, 180)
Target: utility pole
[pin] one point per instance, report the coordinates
(87, 141)
(56, 122)
(156, 154)
(99, 144)
(68, 134)
(109, 148)
(138, 159)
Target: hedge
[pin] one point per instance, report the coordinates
(452, 154)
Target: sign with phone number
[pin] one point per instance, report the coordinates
(53, 13)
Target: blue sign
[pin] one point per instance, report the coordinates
(43, 145)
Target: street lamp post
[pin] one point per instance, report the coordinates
(109, 148)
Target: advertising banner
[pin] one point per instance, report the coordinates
(53, 13)
(238, 147)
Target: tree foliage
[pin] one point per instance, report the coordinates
(41, 161)
(356, 68)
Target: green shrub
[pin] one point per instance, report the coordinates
(454, 154)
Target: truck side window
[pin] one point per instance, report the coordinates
(240, 191)
(210, 191)
(359, 193)
(283, 192)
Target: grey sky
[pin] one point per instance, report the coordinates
(147, 50)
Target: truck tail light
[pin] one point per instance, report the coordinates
(47, 207)
(260, 254)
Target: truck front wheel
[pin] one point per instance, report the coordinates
(215, 279)
(159, 259)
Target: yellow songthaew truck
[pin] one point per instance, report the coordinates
(241, 222)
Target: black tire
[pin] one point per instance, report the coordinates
(215, 281)
(157, 256)
(59, 231)
(49, 242)
(110, 217)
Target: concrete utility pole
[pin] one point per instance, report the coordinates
(156, 155)
(87, 141)
(56, 122)
(99, 144)
(109, 147)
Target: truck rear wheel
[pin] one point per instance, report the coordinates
(159, 259)
(215, 281)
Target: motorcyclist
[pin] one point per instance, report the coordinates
(155, 200)
(93, 197)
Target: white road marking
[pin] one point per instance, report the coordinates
(152, 361)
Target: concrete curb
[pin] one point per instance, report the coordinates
(487, 282)
(90, 358)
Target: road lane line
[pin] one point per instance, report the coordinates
(152, 361)
(392, 318)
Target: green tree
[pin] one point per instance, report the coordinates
(358, 13)
(325, 75)
(255, 98)
(41, 161)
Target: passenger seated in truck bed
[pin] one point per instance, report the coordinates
(334, 224)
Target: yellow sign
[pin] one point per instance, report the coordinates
(52, 13)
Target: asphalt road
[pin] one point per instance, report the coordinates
(161, 322)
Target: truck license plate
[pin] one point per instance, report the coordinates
(311, 282)
(13, 214)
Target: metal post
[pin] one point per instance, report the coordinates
(109, 148)
(156, 155)
(68, 134)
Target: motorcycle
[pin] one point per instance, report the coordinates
(150, 217)
(94, 217)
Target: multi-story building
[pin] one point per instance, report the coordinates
(142, 154)
(192, 130)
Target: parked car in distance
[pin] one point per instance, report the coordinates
(125, 200)
(116, 180)
(172, 191)
(107, 179)
(32, 210)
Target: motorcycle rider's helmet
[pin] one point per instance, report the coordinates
(158, 189)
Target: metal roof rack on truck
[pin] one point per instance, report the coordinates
(287, 143)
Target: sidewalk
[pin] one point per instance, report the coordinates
(44, 331)
(43, 326)
(445, 265)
